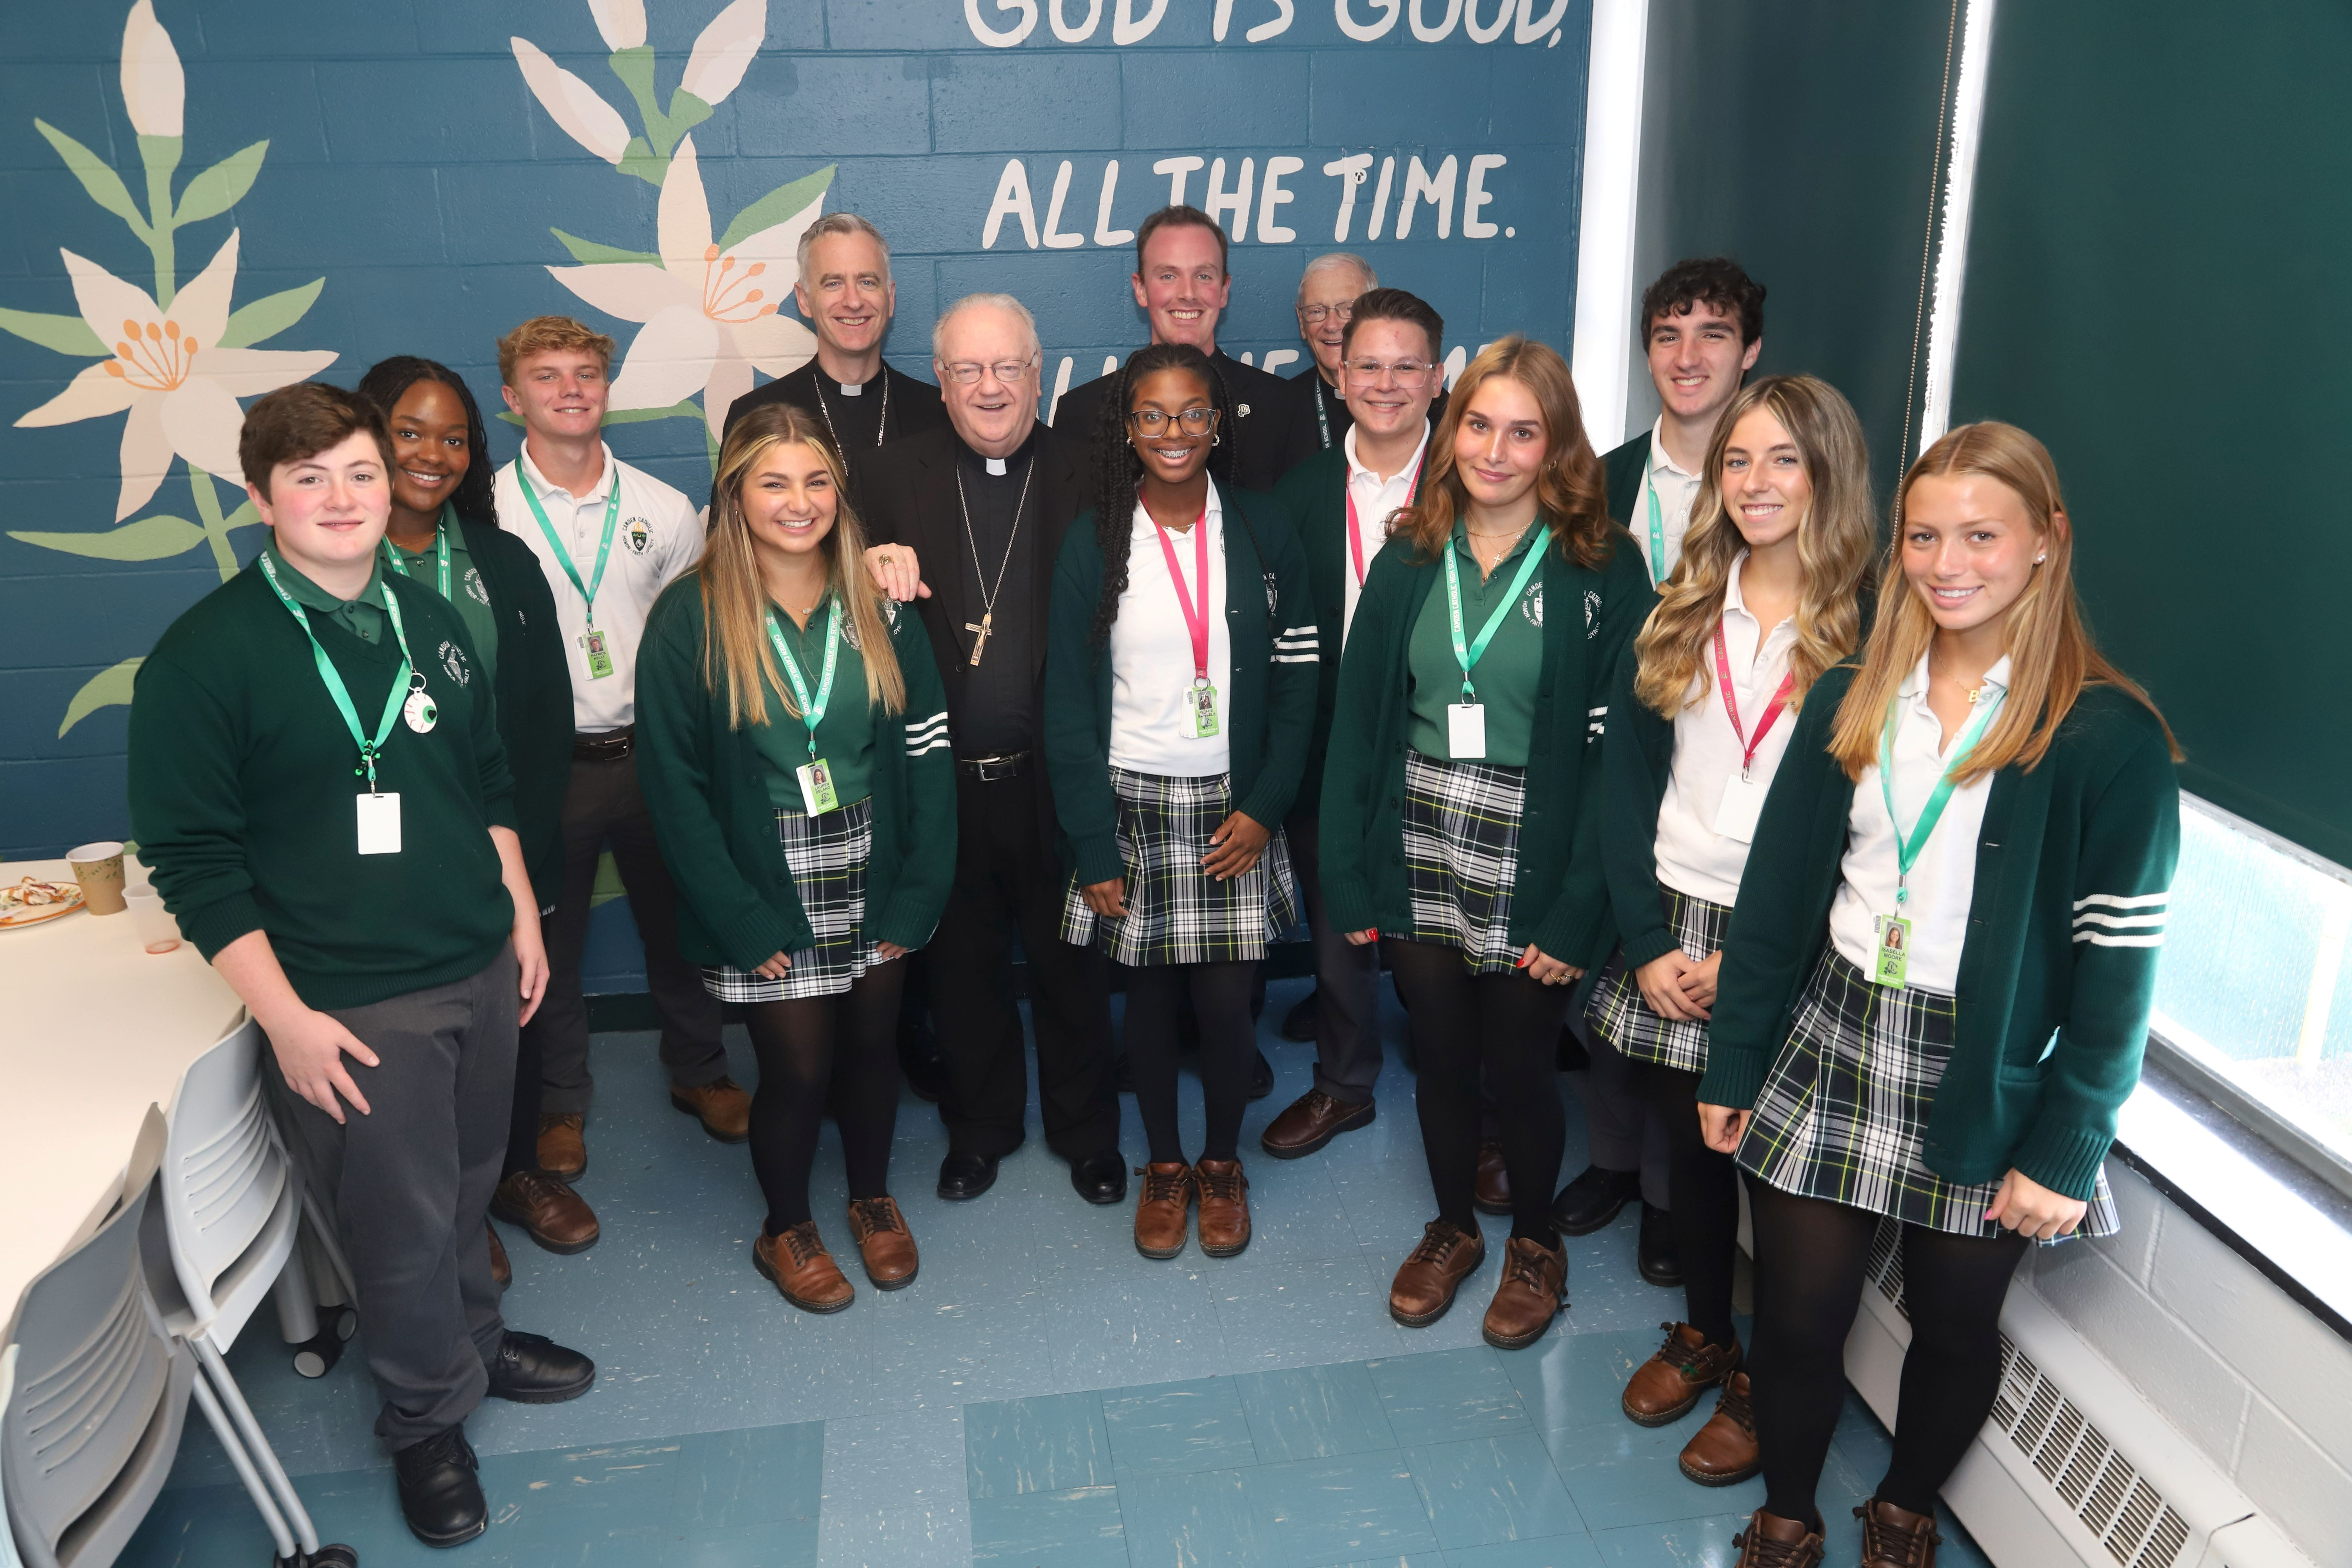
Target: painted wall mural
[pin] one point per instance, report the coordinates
(208, 199)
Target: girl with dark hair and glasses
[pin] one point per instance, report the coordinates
(444, 532)
(1180, 694)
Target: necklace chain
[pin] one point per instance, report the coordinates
(988, 600)
(881, 426)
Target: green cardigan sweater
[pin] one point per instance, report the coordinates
(2057, 971)
(1558, 898)
(1268, 707)
(533, 686)
(1315, 493)
(702, 779)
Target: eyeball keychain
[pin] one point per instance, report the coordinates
(419, 710)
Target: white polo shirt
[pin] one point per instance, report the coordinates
(1676, 488)
(1377, 501)
(657, 536)
(1152, 653)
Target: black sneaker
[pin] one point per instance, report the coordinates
(440, 1495)
(1592, 1200)
(533, 1369)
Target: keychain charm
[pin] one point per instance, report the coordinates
(419, 710)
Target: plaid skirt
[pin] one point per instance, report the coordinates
(1844, 1112)
(828, 854)
(1461, 855)
(1620, 1016)
(1176, 912)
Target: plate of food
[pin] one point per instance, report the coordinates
(29, 901)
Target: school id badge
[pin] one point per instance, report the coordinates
(1893, 950)
(817, 791)
(379, 824)
(600, 657)
(1465, 732)
(1200, 711)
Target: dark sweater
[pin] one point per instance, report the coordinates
(1316, 494)
(534, 692)
(242, 785)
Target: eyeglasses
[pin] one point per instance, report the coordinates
(1315, 315)
(964, 373)
(1408, 371)
(1195, 421)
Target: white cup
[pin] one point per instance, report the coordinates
(151, 923)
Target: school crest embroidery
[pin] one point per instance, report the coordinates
(474, 588)
(1591, 613)
(890, 612)
(1531, 603)
(850, 632)
(453, 659)
(1272, 596)
(638, 534)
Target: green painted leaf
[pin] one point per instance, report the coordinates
(265, 318)
(107, 689)
(222, 186)
(589, 251)
(66, 334)
(245, 516)
(149, 538)
(777, 205)
(104, 186)
(686, 410)
(638, 158)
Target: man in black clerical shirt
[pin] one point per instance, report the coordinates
(1182, 284)
(983, 504)
(1328, 289)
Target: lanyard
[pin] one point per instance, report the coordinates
(812, 711)
(1355, 529)
(1773, 710)
(1907, 851)
(1323, 420)
(1467, 654)
(1658, 570)
(1195, 622)
(368, 749)
(563, 556)
(440, 549)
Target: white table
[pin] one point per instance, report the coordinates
(93, 1030)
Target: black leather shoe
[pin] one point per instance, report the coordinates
(533, 1369)
(1659, 1263)
(1300, 1023)
(440, 1495)
(1592, 1200)
(1100, 1178)
(963, 1176)
(1261, 1076)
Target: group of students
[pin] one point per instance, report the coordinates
(1212, 652)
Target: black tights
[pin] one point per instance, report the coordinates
(1809, 1257)
(1221, 1001)
(819, 1053)
(1703, 1187)
(1507, 1028)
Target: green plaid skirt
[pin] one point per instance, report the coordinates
(1461, 858)
(827, 856)
(1176, 912)
(1844, 1112)
(1620, 1014)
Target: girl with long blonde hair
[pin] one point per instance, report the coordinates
(1936, 987)
(792, 744)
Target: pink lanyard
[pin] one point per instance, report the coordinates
(1195, 621)
(1731, 704)
(1355, 529)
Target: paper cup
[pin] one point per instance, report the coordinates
(151, 923)
(98, 868)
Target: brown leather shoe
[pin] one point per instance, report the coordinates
(1225, 1219)
(1313, 1120)
(1723, 1453)
(1896, 1537)
(723, 1105)
(563, 1146)
(1771, 1541)
(555, 1215)
(803, 1269)
(501, 1270)
(1534, 1289)
(1162, 1208)
(1669, 1385)
(1423, 1288)
(1492, 1192)
(884, 1242)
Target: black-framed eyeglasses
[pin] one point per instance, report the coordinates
(965, 374)
(1193, 421)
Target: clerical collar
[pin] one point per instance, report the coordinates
(857, 388)
(999, 468)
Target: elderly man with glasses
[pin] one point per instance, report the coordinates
(1327, 291)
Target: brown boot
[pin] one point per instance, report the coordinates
(1225, 1219)
(1897, 1538)
(1533, 1289)
(1313, 1120)
(501, 1270)
(1423, 1288)
(1669, 1385)
(723, 1106)
(555, 1215)
(1723, 1452)
(884, 1242)
(563, 1146)
(803, 1269)
(1492, 1192)
(1162, 1208)
(1771, 1541)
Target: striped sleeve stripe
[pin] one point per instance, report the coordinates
(2120, 922)
(927, 734)
(1297, 658)
(2103, 938)
(2123, 902)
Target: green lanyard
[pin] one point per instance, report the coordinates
(440, 549)
(368, 749)
(1468, 655)
(1907, 851)
(563, 556)
(1659, 571)
(812, 711)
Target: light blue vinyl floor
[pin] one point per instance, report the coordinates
(1041, 1396)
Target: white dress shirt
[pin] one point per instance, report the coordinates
(1377, 501)
(1152, 653)
(1676, 488)
(1944, 879)
(1693, 858)
(656, 537)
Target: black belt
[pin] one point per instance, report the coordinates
(606, 746)
(988, 770)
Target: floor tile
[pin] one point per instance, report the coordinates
(1178, 1428)
(1685, 1544)
(1552, 1551)
(771, 1476)
(1313, 1412)
(1409, 1560)
(1625, 1474)
(1578, 1379)
(736, 1546)
(1444, 1396)
(1193, 1520)
(1306, 1313)
(1049, 1444)
(894, 1491)
(565, 1495)
(1078, 1527)
(1491, 1489)
(1340, 1511)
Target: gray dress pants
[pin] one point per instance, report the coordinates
(1623, 1131)
(1347, 984)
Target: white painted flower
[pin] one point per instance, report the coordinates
(711, 317)
(154, 89)
(725, 50)
(169, 374)
(572, 103)
(622, 22)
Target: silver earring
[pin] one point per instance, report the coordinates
(1216, 440)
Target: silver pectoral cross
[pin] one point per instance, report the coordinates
(979, 641)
